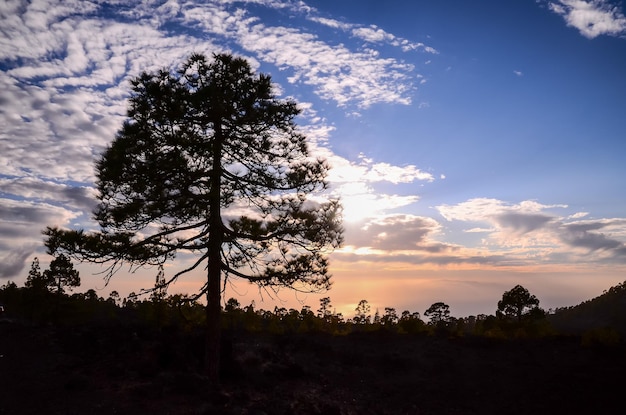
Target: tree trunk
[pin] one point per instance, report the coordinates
(214, 268)
(213, 320)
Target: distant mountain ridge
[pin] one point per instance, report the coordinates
(607, 311)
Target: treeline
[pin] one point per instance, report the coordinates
(45, 299)
(36, 306)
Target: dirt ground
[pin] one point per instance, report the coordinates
(89, 370)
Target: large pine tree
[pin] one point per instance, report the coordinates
(210, 162)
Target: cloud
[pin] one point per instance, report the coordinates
(76, 197)
(32, 217)
(355, 183)
(63, 89)
(21, 224)
(405, 260)
(369, 171)
(481, 209)
(522, 223)
(592, 18)
(528, 229)
(14, 262)
(63, 94)
(336, 24)
(334, 71)
(372, 34)
(517, 235)
(402, 232)
(360, 201)
(586, 234)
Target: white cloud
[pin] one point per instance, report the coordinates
(592, 18)
(335, 72)
(527, 229)
(482, 209)
(369, 171)
(336, 24)
(396, 174)
(374, 34)
(64, 83)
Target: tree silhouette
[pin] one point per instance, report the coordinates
(61, 274)
(390, 317)
(362, 315)
(324, 311)
(35, 279)
(159, 292)
(210, 162)
(439, 313)
(516, 303)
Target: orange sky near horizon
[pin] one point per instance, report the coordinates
(467, 290)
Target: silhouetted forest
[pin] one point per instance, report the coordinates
(77, 353)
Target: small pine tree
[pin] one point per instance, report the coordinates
(35, 279)
(61, 274)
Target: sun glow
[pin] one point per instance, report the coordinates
(359, 207)
(361, 202)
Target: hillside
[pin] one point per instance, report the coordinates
(605, 312)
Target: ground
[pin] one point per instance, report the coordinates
(126, 370)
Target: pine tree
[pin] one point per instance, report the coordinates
(213, 161)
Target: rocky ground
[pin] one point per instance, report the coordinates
(113, 370)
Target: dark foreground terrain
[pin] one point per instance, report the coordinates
(98, 370)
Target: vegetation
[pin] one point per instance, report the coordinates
(600, 320)
(199, 145)
(518, 314)
(517, 303)
(439, 314)
(143, 354)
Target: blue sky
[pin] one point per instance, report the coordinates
(475, 145)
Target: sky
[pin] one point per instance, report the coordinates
(474, 145)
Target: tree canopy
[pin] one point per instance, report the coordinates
(516, 303)
(211, 163)
(439, 313)
(60, 274)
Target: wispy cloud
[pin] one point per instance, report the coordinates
(372, 34)
(592, 18)
(14, 261)
(337, 73)
(21, 223)
(64, 72)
